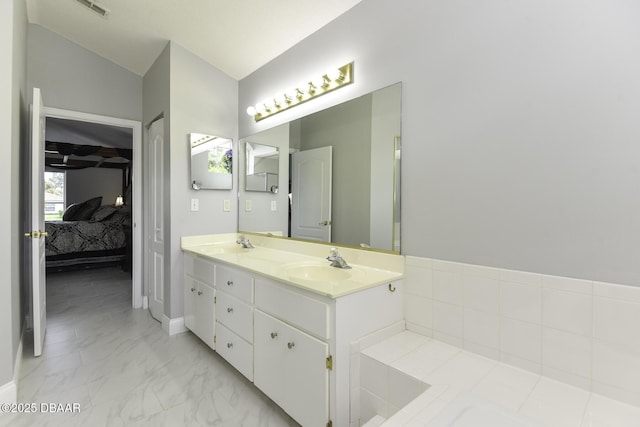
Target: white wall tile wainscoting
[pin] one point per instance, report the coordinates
(580, 332)
(501, 347)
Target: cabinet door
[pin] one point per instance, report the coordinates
(268, 355)
(190, 288)
(205, 317)
(306, 378)
(290, 368)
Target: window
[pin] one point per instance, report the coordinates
(54, 195)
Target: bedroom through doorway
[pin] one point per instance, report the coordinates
(92, 200)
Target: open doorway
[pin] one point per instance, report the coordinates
(92, 164)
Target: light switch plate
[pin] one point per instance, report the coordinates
(274, 206)
(226, 205)
(248, 205)
(195, 205)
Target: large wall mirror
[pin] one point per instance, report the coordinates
(211, 162)
(339, 175)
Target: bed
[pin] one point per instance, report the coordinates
(88, 235)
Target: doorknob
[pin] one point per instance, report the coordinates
(36, 234)
(324, 223)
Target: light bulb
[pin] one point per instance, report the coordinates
(334, 74)
(318, 82)
(260, 108)
(303, 87)
(280, 99)
(292, 93)
(270, 104)
(251, 111)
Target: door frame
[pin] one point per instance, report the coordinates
(136, 180)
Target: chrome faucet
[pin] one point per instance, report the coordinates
(242, 240)
(336, 260)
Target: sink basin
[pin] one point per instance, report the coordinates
(317, 273)
(223, 248)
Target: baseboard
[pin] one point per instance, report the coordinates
(173, 326)
(9, 391)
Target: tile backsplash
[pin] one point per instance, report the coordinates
(581, 332)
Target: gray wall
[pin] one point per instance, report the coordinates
(87, 183)
(203, 100)
(520, 130)
(194, 97)
(74, 78)
(156, 102)
(13, 113)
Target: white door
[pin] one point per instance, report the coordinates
(36, 255)
(155, 232)
(311, 194)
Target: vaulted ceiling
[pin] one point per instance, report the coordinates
(236, 36)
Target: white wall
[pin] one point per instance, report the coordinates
(13, 37)
(519, 128)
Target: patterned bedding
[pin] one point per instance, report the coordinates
(77, 241)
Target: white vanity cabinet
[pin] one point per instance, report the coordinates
(199, 297)
(294, 338)
(291, 366)
(234, 318)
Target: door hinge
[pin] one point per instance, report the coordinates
(329, 362)
(215, 299)
(330, 423)
(214, 339)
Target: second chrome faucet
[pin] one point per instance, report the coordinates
(336, 260)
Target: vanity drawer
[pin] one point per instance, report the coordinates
(235, 282)
(235, 315)
(199, 268)
(293, 307)
(235, 350)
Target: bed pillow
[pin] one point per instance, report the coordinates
(102, 213)
(82, 211)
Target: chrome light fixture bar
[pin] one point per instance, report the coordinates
(305, 91)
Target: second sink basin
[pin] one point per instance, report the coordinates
(317, 273)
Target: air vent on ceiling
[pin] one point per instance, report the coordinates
(94, 6)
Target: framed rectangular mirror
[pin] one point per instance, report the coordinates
(211, 162)
(262, 167)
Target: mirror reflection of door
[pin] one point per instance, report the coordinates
(311, 170)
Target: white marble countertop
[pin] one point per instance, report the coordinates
(487, 389)
(300, 264)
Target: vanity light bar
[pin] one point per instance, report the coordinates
(303, 92)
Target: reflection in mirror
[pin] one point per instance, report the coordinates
(211, 162)
(344, 168)
(262, 167)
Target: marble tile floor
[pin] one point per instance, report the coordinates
(123, 370)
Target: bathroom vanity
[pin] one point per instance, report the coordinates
(286, 319)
